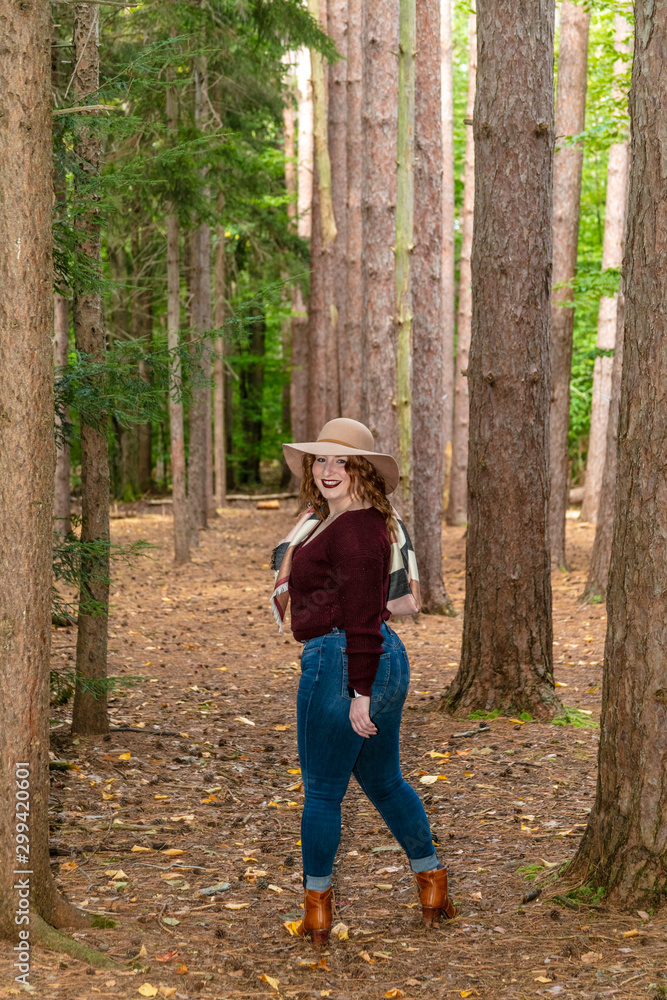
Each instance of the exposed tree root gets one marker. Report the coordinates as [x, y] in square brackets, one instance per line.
[46, 935]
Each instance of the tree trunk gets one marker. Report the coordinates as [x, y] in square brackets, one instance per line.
[299, 332]
[428, 292]
[612, 252]
[506, 657]
[319, 321]
[146, 430]
[624, 846]
[457, 505]
[318, 10]
[61, 504]
[89, 712]
[448, 249]
[219, 443]
[176, 442]
[570, 112]
[405, 217]
[251, 391]
[351, 333]
[337, 29]
[27, 460]
[378, 206]
[598, 570]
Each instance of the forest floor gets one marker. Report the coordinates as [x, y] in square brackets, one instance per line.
[146, 824]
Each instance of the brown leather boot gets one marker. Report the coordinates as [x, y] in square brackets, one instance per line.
[317, 918]
[433, 895]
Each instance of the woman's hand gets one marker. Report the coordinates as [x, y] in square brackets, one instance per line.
[360, 718]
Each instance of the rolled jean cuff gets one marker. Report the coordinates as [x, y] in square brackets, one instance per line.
[317, 883]
[425, 864]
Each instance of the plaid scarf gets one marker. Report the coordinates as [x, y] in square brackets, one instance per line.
[404, 596]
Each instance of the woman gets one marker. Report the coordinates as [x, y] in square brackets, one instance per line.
[335, 568]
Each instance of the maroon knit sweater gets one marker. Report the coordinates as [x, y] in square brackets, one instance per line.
[340, 579]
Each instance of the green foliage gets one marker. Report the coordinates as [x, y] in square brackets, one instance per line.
[531, 872]
[481, 714]
[587, 895]
[574, 717]
[103, 923]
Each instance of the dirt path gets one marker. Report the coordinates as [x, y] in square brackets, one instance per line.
[224, 797]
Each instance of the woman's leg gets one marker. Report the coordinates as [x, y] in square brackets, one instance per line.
[378, 770]
[328, 748]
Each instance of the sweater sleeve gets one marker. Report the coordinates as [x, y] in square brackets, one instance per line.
[360, 571]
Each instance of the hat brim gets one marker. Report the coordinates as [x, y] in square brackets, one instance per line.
[386, 465]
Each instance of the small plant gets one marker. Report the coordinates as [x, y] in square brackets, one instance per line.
[586, 894]
[525, 717]
[481, 714]
[102, 922]
[531, 871]
[574, 717]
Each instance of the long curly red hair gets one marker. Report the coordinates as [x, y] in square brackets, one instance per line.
[366, 485]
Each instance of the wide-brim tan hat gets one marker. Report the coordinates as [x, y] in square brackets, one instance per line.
[344, 436]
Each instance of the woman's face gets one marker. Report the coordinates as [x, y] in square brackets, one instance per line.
[331, 477]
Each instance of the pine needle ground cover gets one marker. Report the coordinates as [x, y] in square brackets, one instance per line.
[185, 842]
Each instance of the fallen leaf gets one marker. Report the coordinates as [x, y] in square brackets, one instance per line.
[518, 722]
[591, 958]
[542, 979]
[147, 990]
[171, 852]
[434, 753]
[137, 848]
[242, 718]
[181, 969]
[293, 927]
[382, 954]
[273, 983]
[275, 888]
[643, 914]
[366, 957]
[428, 779]
[171, 921]
[281, 729]
[115, 873]
[161, 796]
[167, 957]
[341, 931]
[235, 906]
[475, 895]
[254, 873]
[250, 858]
[559, 684]
[294, 770]
[383, 885]
[126, 756]
[632, 933]
[469, 993]
[108, 795]
[549, 864]
[142, 952]
[185, 818]
[167, 991]
[395, 992]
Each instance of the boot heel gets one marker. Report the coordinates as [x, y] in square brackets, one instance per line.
[320, 938]
[430, 915]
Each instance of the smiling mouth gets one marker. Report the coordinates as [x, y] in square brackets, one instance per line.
[331, 484]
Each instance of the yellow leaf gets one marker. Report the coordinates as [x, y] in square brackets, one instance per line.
[325, 993]
[428, 779]
[395, 992]
[294, 770]
[161, 796]
[366, 957]
[250, 858]
[167, 991]
[126, 756]
[142, 952]
[68, 866]
[341, 931]
[242, 718]
[559, 684]
[469, 993]
[147, 990]
[235, 906]
[293, 927]
[108, 795]
[632, 933]
[296, 787]
[383, 885]
[185, 735]
[273, 983]
[434, 753]
[475, 895]
[518, 722]
[185, 818]
[173, 851]
[137, 848]
[542, 979]
[281, 729]
[115, 873]
[221, 668]
[275, 888]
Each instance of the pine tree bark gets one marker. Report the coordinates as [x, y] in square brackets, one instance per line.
[570, 113]
[428, 294]
[337, 29]
[146, 430]
[378, 206]
[448, 250]
[176, 440]
[612, 252]
[405, 213]
[27, 459]
[89, 711]
[598, 570]
[351, 334]
[61, 504]
[506, 658]
[457, 505]
[624, 848]
[299, 332]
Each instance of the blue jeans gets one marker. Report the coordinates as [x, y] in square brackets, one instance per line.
[330, 751]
